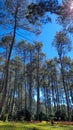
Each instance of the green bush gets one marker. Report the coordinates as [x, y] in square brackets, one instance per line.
[3, 117]
[27, 115]
[42, 116]
[10, 117]
[51, 117]
[20, 114]
[72, 115]
[60, 115]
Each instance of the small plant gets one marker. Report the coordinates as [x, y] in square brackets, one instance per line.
[4, 118]
[27, 115]
[61, 115]
[42, 116]
[52, 122]
[34, 128]
[43, 122]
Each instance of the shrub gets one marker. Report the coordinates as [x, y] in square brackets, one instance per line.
[3, 117]
[42, 116]
[60, 115]
[51, 117]
[72, 115]
[20, 114]
[10, 117]
[27, 115]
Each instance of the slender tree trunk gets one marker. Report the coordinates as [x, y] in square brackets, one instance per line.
[13, 93]
[30, 84]
[25, 96]
[21, 92]
[45, 96]
[38, 89]
[25, 82]
[66, 95]
[38, 101]
[71, 93]
[53, 97]
[57, 96]
[30, 98]
[8, 62]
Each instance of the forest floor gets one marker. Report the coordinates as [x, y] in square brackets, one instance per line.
[34, 126]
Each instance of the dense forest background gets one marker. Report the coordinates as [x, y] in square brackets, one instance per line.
[30, 86]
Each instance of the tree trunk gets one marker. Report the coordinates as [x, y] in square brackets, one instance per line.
[8, 62]
[38, 91]
[25, 95]
[66, 95]
[30, 84]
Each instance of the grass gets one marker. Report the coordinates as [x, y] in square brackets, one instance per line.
[33, 126]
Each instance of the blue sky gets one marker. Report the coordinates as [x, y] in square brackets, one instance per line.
[46, 37]
[48, 32]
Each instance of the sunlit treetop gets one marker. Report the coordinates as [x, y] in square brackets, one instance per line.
[71, 6]
[66, 12]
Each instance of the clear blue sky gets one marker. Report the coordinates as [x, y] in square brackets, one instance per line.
[47, 35]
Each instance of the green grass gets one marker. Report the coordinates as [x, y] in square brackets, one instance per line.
[33, 126]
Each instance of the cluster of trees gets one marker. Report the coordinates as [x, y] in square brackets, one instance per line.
[34, 84]
[29, 84]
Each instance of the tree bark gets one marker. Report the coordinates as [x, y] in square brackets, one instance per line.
[8, 62]
[66, 95]
[38, 91]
